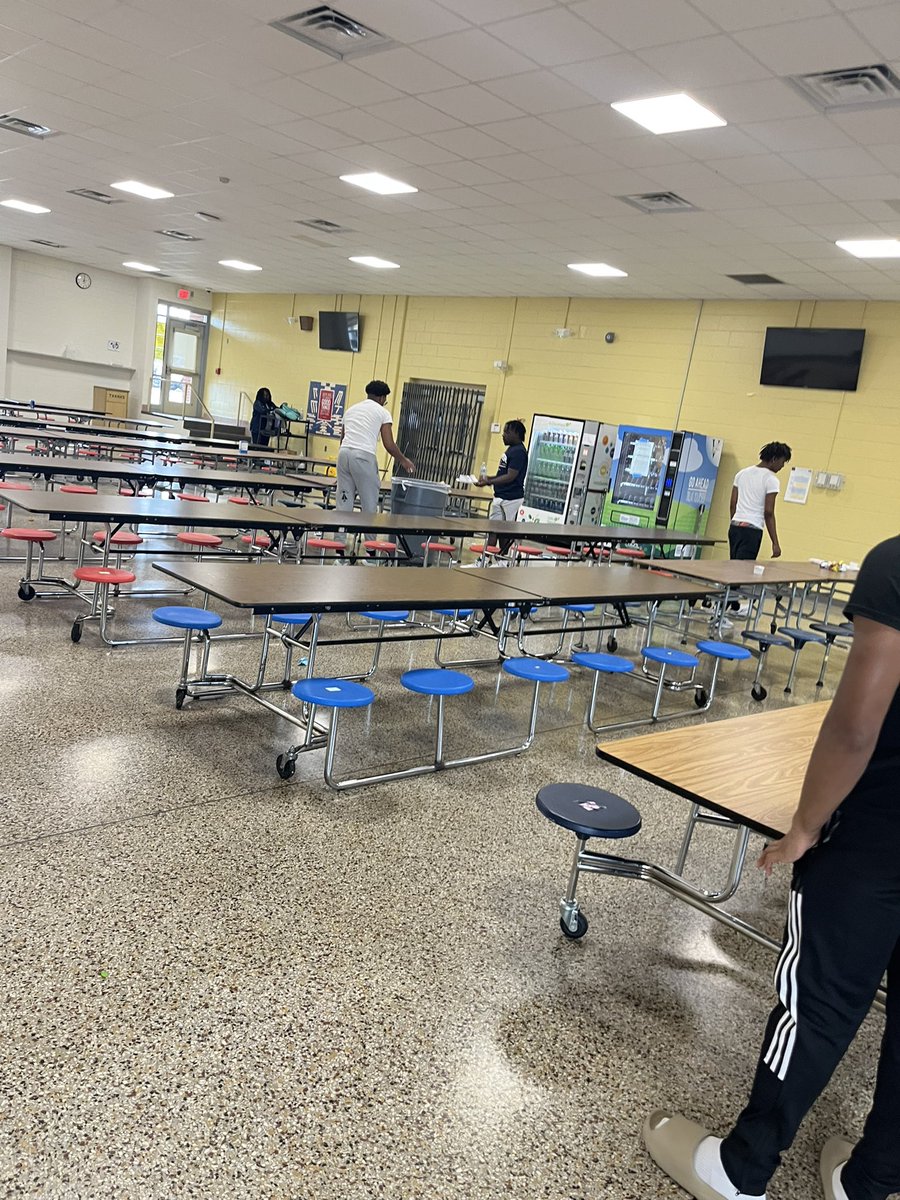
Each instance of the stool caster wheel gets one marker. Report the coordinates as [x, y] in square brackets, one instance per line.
[287, 684]
[701, 696]
[581, 927]
[180, 696]
[77, 630]
[758, 692]
[611, 644]
[773, 626]
[734, 605]
[285, 766]
[26, 591]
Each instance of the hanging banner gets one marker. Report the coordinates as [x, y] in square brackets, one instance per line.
[325, 408]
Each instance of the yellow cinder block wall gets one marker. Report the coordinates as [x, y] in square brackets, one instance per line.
[674, 364]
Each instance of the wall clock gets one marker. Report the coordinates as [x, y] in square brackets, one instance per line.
[83, 279]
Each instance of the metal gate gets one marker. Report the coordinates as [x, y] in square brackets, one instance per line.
[439, 427]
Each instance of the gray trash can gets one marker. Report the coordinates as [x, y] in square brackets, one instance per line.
[420, 497]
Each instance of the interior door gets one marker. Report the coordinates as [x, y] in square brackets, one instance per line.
[185, 355]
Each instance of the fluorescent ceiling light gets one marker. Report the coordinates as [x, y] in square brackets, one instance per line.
[237, 265]
[599, 269]
[372, 181]
[139, 266]
[142, 189]
[369, 260]
[872, 247]
[669, 114]
[24, 206]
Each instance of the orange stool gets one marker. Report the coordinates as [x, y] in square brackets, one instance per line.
[256, 541]
[79, 489]
[238, 500]
[193, 496]
[629, 552]
[528, 552]
[31, 538]
[202, 541]
[374, 547]
[103, 578]
[324, 544]
[485, 551]
[439, 548]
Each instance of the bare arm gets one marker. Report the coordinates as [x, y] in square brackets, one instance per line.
[847, 738]
[387, 440]
[508, 477]
[770, 524]
[734, 500]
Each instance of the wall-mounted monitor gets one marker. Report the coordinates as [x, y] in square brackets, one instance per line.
[339, 331]
[812, 358]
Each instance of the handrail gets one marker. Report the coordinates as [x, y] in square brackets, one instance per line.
[242, 396]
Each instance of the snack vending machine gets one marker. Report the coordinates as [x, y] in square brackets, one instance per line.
[662, 479]
[568, 470]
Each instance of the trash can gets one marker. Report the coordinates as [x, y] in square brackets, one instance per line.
[421, 497]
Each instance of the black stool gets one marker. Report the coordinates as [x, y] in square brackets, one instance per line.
[588, 812]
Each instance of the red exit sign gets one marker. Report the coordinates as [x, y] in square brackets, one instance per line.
[184, 294]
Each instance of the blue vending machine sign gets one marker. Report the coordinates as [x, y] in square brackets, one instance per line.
[325, 408]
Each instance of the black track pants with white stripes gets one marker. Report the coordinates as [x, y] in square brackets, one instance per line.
[842, 934]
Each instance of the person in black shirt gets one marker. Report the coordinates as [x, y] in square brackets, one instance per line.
[843, 934]
[260, 422]
[509, 482]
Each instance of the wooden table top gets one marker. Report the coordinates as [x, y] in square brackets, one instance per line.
[148, 510]
[378, 522]
[546, 531]
[584, 584]
[750, 768]
[100, 468]
[284, 587]
[730, 573]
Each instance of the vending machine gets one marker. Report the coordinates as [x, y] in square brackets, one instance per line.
[569, 464]
[662, 479]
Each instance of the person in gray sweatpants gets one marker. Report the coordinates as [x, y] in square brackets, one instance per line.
[357, 464]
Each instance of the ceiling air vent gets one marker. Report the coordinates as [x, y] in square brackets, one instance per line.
[90, 194]
[853, 87]
[659, 202]
[333, 33]
[323, 226]
[179, 236]
[752, 279]
[44, 242]
[29, 128]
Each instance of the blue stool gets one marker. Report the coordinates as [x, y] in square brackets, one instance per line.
[588, 812]
[579, 612]
[765, 641]
[292, 626]
[197, 621]
[719, 652]
[538, 671]
[831, 633]
[600, 664]
[456, 616]
[799, 638]
[333, 694]
[441, 683]
[383, 618]
[665, 657]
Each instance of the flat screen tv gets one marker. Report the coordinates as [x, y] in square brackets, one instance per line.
[812, 358]
[339, 331]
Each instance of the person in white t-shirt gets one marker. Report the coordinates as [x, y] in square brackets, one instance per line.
[753, 503]
[357, 465]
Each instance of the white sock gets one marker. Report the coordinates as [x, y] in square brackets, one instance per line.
[708, 1167]
[836, 1186]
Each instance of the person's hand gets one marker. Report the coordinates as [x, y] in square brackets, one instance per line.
[481, 481]
[792, 846]
[776, 550]
[409, 466]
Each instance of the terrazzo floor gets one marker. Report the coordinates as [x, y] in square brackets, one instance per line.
[220, 984]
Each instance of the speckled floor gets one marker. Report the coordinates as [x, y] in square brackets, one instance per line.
[219, 984]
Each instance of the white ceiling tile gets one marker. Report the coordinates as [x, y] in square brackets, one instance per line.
[648, 151]
[554, 37]
[707, 143]
[416, 150]
[470, 173]
[755, 168]
[538, 92]
[806, 133]
[733, 15]
[360, 125]
[618, 77]
[768, 100]
[790, 192]
[521, 166]
[847, 160]
[642, 23]
[297, 97]
[798, 47]
[469, 143]
[863, 187]
[475, 55]
[872, 128]
[410, 71]
[349, 85]
[412, 115]
[472, 105]
[575, 159]
[595, 125]
[320, 137]
[527, 134]
[879, 26]
[409, 20]
[703, 62]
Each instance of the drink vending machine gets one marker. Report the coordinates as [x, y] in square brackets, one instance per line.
[662, 479]
[568, 470]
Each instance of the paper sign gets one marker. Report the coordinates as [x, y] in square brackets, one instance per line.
[798, 485]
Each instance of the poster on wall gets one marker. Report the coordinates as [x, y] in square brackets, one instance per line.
[325, 408]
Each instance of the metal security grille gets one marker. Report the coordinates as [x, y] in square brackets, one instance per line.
[439, 427]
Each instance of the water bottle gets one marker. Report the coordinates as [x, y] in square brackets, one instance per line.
[483, 472]
[243, 447]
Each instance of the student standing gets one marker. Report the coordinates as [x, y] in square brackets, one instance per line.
[843, 934]
[357, 464]
[753, 503]
[263, 405]
[509, 482]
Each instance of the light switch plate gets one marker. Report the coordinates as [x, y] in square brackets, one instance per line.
[495, 427]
